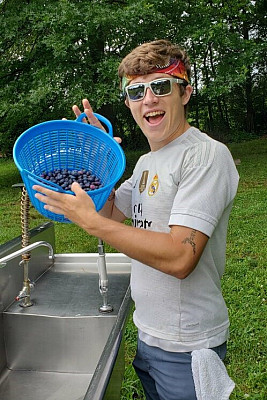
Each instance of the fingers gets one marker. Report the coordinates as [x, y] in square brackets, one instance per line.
[51, 204]
[89, 113]
[58, 199]
[54, 201]
[93, 120]
[74, 207]
[91, 117]
[46, 195]
[78, 112]
[54, 209]
[87, 105]
[76, 188]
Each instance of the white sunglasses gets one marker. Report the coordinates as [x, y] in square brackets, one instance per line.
[159, 87]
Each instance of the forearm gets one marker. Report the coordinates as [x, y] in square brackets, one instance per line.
[162, 251]
[108, 207]
[175, 253]
[110, 211]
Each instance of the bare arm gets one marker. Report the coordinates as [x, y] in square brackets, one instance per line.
[175, 253]
[110, 210]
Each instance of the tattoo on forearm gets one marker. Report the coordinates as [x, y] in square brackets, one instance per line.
[191, 241]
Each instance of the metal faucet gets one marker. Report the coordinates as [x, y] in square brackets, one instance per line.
[25, 293]
[103, 278]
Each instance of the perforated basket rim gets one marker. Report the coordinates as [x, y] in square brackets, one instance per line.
[71, 126]
[66, 124]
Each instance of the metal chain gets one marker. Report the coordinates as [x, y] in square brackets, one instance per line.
[24, 218]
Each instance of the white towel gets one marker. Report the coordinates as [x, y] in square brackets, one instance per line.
[211, 379]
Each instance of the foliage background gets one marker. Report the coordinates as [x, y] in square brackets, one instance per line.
[55, 53]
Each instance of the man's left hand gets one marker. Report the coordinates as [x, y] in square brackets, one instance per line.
[77, 208]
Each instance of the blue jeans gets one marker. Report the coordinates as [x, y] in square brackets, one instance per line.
[167, 375]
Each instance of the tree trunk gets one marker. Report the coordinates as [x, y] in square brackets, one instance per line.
[219, 104]
[250, 124]
[209, 103]
[196, 86]
[210, 121]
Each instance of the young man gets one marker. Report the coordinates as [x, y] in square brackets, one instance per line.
[179, 198]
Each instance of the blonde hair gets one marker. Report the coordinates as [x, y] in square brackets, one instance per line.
[151, 55]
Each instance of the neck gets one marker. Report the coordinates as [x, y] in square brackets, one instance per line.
[178, 132]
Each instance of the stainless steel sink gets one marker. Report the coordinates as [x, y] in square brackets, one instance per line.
[60, 347]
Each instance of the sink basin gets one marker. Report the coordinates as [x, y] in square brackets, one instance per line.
[60, 347]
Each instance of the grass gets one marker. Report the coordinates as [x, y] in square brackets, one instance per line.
[243, 284]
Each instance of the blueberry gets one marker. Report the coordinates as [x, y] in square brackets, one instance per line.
[64, 177]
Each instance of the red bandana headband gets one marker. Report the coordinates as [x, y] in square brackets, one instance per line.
[174, 68]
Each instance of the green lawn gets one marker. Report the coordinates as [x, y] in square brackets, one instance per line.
[244, 282]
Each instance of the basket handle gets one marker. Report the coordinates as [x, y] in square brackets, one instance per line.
[102, 119]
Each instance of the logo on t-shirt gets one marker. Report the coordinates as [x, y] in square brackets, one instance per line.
[143, 181]
[153, 187]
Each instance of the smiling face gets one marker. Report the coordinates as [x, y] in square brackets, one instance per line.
[161, 119]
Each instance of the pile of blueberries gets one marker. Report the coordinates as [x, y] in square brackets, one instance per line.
[65, 177]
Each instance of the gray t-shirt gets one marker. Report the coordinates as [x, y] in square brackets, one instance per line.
[192, 182]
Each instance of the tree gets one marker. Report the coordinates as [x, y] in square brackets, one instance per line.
[53, 54]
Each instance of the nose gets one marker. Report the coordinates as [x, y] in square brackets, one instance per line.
[150, 97]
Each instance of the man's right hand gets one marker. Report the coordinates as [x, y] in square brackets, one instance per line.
[91, 118]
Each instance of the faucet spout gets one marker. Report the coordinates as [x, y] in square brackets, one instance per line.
[26, 249]
[25, 293]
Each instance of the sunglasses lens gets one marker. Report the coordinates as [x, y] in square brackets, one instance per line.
[161, 87]
[136, 92]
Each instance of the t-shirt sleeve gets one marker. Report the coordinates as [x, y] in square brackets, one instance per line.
[123, 198]
[206, 188]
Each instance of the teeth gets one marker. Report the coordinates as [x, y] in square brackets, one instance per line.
[154, 113]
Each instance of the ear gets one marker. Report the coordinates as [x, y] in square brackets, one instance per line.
[187, 94]
[126, 101]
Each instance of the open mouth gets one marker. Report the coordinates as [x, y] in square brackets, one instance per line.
[154, 117]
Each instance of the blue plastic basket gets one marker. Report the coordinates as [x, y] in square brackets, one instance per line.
[72, 145]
